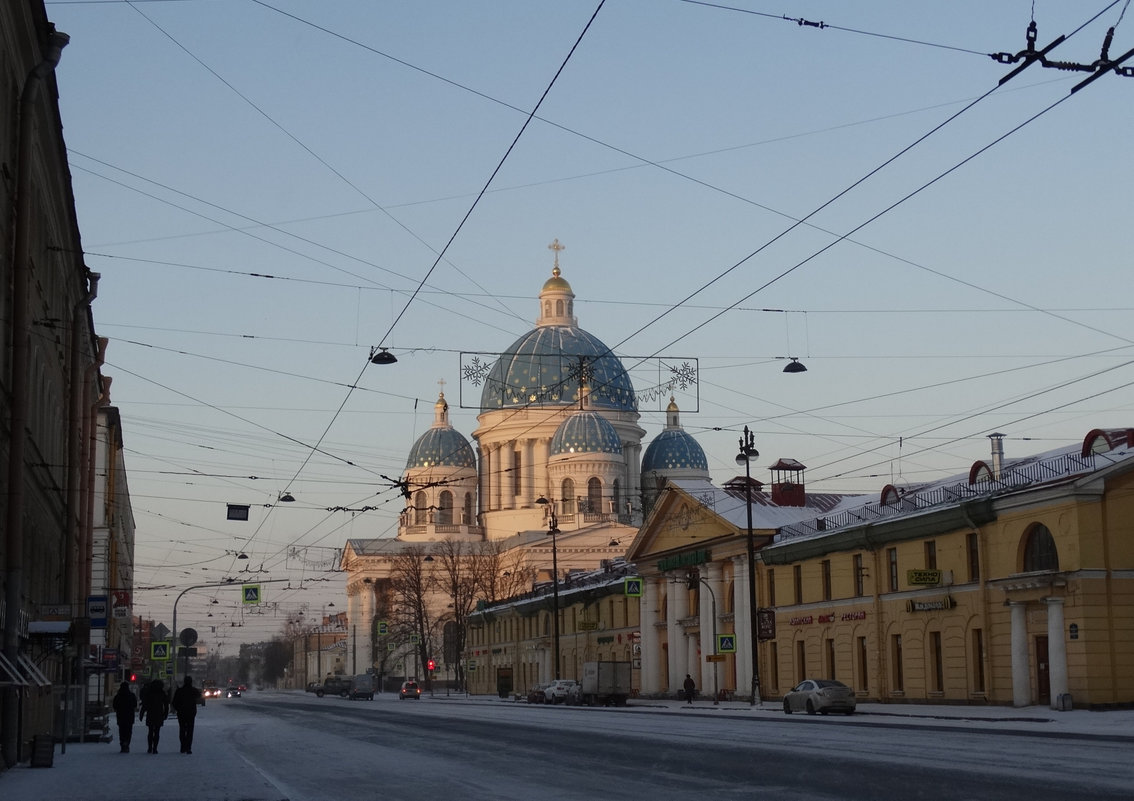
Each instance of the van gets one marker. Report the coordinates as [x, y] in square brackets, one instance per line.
[362, 686]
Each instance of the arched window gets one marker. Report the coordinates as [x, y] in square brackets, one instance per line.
[467, 519]
[567, 496]
[594, 496]
[1039, 550]
[547, 308]
[419, 509]
[616, 496]
[558, 308]
[445, 510]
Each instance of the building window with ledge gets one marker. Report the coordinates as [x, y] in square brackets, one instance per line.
[859, 571]
[797, 576]
[420, 509]
[1039, 550]
[930, 554]
[892, 561]
[826, 564]
[594, 496]
[972, 545]
[445, 508]
[771, 582]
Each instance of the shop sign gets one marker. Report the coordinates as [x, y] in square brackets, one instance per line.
[940, 605]
[690, 559]
[923, 578]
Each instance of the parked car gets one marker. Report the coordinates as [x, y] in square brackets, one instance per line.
[409, 690]
[362, 686]
[536, 694]
[334, 685]
[561, 691]
[312, 686]
[820, 695]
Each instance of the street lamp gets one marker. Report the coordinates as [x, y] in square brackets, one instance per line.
[747, 453]
[552, 530]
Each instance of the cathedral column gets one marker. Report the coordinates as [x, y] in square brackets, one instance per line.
[542, 458]
[507, 475]
[494, 477]
[649, 640]
[481, 484]
[676, 637]
[528, 464]
[708, 612]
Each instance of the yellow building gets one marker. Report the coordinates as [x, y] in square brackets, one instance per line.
[1013, 584]
[511, 644]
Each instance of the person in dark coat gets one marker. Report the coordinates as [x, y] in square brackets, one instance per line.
[185, 703]
[690, 688]
[155, 709]
[125, 705]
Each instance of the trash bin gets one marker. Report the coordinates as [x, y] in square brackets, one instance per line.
[43, 751]
[1063, 702]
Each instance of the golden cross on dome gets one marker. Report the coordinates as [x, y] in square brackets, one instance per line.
[556, 247]
[441, 383]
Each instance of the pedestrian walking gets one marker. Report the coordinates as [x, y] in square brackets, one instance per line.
[690, 689]
[185, 702]
[125, 705]
[154, 709]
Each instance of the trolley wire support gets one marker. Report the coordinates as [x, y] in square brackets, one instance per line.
[1099, 67]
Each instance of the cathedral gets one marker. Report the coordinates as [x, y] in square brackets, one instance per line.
[558, 447]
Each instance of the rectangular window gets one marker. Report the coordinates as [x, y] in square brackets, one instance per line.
[800, 662]
[797, 575]
[826, 579]
[831, 659]
[774, 667]
[938, 661]
[771, 580]
[973, 545]
[978, 660]
[899, 681]
[859, 570]
[892, 559]
[863, 666]
[931, 555]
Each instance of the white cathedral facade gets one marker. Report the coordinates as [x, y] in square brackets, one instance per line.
[558, 439]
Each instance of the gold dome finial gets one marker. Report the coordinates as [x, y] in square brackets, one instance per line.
[556, 247]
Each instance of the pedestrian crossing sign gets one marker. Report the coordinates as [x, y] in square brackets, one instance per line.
[726, 643]
[632, 587]
[159, 651]
[251, 593]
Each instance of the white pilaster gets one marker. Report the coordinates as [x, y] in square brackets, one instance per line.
[675, 637]
[1056, 649]
[650, 641]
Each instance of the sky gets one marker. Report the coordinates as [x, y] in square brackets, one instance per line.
[270, 189]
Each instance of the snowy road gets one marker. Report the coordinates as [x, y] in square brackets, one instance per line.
[331, 748]
[291, 746]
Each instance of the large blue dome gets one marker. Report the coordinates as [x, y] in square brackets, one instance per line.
[674, 449]
[542, 369]
[441, 447]
[585, 432]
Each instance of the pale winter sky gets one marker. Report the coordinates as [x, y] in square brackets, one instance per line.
[272, 188]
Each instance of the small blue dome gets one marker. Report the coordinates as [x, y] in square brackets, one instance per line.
[674, 449]
[585, 432]
[441, 447]
[542, 369]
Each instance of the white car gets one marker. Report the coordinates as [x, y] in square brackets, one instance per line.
[561, 691]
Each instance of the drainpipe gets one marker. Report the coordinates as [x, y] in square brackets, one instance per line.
[17, 432]
[80, 377]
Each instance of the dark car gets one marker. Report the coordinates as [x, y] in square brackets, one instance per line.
[232, 692]
[820, 695]
[537, 694]
[409, 690]
[334, 685]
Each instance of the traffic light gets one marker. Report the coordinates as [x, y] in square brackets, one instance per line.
[431, 664]
[133, 677]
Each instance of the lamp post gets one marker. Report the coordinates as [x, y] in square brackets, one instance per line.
[552, 530]
[747, 453]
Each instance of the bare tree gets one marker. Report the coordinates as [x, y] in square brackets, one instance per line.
[502, 573]
[412, 583]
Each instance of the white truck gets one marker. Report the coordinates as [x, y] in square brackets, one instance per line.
[605, 683]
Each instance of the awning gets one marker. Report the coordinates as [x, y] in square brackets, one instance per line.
[56, 627]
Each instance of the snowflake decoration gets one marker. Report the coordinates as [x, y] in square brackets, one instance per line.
[684, 376]
[476, 371]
